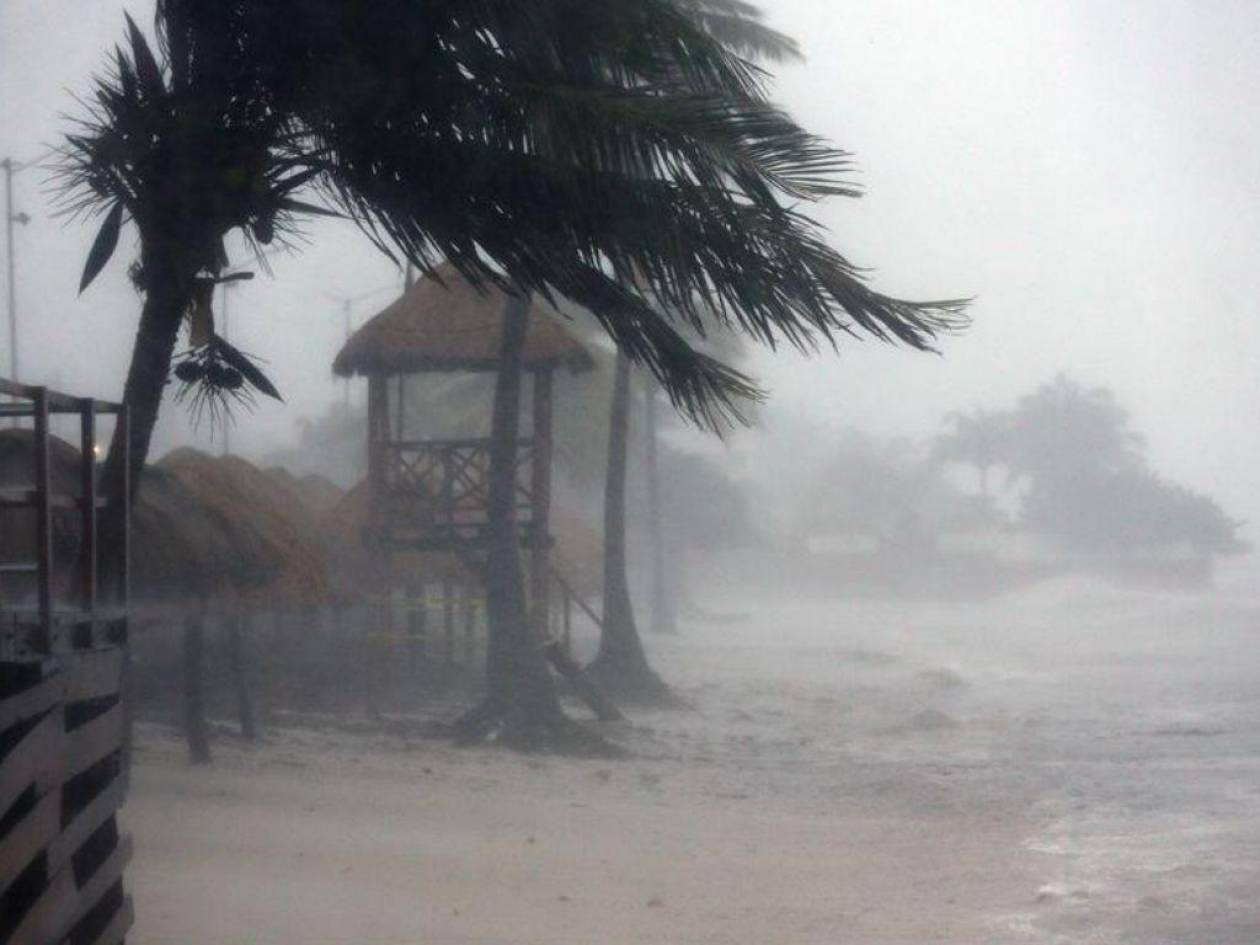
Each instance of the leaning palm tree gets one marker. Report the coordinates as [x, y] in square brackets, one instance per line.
[550, 147]
[621, 665]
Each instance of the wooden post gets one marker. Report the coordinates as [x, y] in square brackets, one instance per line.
[195, 729]
[470, 629]
[378, 442]
[239, 625]
[337, 632]
[43, 513]
[124, 551]
[122, 592]
[540, 534]
[87, 471]
[448, 617]
[400, 395]
[367, 658]
[416, 620]
[568, 622]
[377, 538]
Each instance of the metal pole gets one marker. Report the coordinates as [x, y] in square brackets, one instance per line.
[345, 307]
[9, 220]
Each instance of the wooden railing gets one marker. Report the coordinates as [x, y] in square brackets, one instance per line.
[436, 492]
[38, 404]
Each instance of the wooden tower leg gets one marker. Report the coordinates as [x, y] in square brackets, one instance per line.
[470, 629]
[239, 625]
[568, 623]
[448, 618]
[416, 618]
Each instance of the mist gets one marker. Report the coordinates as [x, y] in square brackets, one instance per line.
[951, 644]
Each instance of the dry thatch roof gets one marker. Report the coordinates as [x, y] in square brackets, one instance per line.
[318, 494]
[262, 520]
[445, 323]
[178, 550]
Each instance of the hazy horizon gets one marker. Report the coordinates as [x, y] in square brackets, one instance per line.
[1082, 170]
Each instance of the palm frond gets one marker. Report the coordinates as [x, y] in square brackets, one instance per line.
[739, 26]
[622, 154]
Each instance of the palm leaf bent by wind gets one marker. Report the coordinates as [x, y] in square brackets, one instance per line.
[560, 145]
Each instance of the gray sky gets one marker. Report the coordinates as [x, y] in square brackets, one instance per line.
[1086, 169]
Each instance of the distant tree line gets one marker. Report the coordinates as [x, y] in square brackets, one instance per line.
[1083, 474]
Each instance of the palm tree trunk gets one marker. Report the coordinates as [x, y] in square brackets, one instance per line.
[521, 707]
[662, 617]
[621, 665]
[166, 299]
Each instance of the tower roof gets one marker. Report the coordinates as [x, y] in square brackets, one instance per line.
[445, 323]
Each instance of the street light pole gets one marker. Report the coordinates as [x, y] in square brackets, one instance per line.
[11, 167]
[7, 163]
[347, 303]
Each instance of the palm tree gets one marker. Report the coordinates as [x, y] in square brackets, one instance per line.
[663, 615]
[980, 438]
[621, 665]
[549, 147]
[1064, 431]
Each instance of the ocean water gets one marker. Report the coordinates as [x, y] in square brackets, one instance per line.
[1122, 724]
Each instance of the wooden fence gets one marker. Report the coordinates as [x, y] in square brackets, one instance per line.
[63, 725]
[62, 780]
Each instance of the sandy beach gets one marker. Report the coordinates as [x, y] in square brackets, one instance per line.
[868, 773]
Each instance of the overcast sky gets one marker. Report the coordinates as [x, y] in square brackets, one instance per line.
[1087, 170]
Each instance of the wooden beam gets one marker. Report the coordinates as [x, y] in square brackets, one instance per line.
[239, 628]
[378, 424]
[448, 617]
[582, 684]
[123, 430]
[43, 511]
[195, 729]
[87, 467]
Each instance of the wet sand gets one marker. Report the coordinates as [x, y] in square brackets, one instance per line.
[1075, 764]
[390, 845]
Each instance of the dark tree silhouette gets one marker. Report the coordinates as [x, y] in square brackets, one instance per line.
[551, 146]
[621, 665]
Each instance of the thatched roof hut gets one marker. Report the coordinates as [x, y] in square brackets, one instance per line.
[263, 521]
[178, 551]
[318, 494]
[445, 323]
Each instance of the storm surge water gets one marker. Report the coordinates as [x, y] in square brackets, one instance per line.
[1120, 725]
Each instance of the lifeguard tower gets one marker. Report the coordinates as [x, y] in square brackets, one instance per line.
[430, 495]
